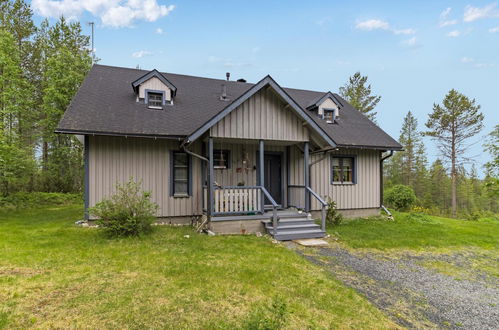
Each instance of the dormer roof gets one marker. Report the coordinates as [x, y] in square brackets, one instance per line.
[323, 98]
[151, 74]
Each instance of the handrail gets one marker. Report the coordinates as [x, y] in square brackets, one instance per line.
[274, 208]
[323, 209]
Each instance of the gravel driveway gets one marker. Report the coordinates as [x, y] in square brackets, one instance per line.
[414, 296]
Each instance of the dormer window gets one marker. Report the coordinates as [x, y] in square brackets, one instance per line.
[329, 115]
[155, 100]
[154, 90]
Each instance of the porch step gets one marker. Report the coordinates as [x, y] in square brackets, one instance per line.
[297, 228]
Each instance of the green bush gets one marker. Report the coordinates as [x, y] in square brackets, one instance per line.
[473, 216]
[266, 317]
[129, 212]
[400, 197]
[35, 199]
[333, 217]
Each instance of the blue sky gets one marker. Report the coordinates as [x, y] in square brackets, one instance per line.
[413, 52]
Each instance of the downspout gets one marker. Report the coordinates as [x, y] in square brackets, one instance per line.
[183, 146]
[381, 183]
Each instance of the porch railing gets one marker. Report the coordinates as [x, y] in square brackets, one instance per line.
[323, 208]
[233, 200]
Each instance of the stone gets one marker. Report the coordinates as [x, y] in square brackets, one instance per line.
[258, 234]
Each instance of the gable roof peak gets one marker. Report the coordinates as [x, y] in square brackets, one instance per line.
[327, 95]
[153, 73]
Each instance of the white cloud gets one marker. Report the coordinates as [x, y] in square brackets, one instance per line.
[474, 13]
[256, 50]
[494, 30]
[405, 31]
[410, 43]
[376, 24]
[159, 31]
[114, 13]
[483, 65]
[228, 62]
[444, 18]
[372, 24]
[453, 34]
[141, 53]
[467, 59]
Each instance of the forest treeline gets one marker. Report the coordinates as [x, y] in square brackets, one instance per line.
[42, 67]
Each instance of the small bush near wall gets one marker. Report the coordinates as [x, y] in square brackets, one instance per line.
[24, 200]
[129, 212]
[333, 217]
[400, 197]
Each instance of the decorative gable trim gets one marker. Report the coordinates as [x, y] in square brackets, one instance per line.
[324, 98]
[267, 81]
[151, 74]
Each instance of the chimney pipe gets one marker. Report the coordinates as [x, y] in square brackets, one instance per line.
[227, 75]
[223, 97]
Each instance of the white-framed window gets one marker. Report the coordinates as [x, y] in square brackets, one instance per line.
[342, 169]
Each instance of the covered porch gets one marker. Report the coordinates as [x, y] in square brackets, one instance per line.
[259, 180]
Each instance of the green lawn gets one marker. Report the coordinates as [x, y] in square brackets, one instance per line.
[418, 232]
[477, 242]
[56, 275]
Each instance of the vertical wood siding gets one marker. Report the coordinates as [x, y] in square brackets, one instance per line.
[364, 194]
[155, 84]
[116, 159]
[263, 116]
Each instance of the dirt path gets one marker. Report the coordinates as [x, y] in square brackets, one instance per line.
[414, 296]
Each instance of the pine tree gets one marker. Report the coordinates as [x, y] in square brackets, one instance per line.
[359, 95]
[451, 125]
[67, 62]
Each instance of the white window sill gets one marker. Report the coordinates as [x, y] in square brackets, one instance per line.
[181, 196]
[343, 183]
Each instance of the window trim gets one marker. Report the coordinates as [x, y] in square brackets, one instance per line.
[172, 175]
[229, 159]
[146, 98]
[354, 170]
[333, 110]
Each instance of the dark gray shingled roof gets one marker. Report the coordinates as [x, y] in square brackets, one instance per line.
[106, 104]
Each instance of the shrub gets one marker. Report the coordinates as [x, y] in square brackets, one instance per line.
[400, 197]
[129, 212]
[267, 317]
[333, 217]
[419, 217]
[473, 216]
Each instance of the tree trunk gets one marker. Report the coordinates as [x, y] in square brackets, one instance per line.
[453, 172]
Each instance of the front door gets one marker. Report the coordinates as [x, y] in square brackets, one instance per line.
[273, 177]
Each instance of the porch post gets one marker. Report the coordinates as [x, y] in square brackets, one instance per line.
[261, 150]
[86, 179]
[211, 179]
[306, 174]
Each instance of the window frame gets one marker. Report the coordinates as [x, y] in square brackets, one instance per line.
[172, 174]
[333, 117]
[146, 99]
[354, 169]
[228, 160]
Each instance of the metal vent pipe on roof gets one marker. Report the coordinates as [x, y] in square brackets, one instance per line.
[227, 75]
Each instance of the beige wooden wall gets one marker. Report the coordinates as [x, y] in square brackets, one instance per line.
[263, 116]
[116, 159]
[364, 194]
[154, 84]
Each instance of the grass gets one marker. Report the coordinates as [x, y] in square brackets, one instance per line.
[418, 232]
[475, 242]
[56, 275]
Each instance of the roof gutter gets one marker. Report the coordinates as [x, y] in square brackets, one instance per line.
[150, 136]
